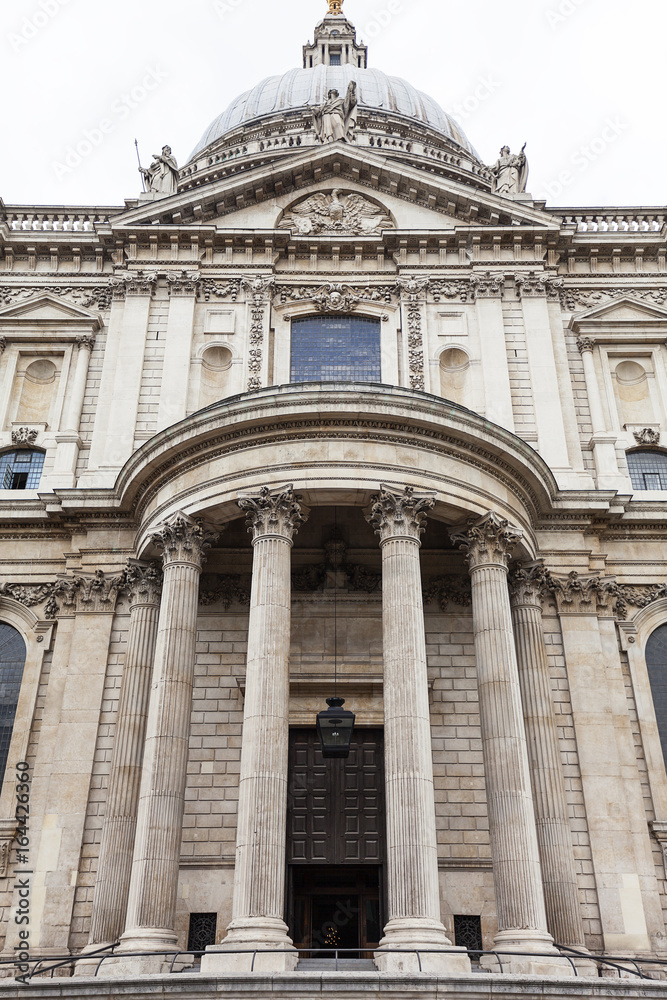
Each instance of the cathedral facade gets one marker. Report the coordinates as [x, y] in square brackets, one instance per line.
[333, 410]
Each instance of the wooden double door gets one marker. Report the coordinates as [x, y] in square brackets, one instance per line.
[336, 845]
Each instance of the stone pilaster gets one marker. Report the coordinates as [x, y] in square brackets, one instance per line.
[603, 441]
[144, 586]
[259, 883]
[522, 922]
[153, 884]
[559, 876]
[412, 854]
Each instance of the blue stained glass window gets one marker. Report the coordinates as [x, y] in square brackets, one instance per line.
[21, 470]
[656, 662]
[336, 349]
[648, 470]
[12, 661]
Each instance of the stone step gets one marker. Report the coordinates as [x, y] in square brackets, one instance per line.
[329, 965]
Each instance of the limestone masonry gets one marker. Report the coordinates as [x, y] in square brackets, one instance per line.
[334, 402]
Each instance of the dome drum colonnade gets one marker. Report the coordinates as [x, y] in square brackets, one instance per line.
[163, 632]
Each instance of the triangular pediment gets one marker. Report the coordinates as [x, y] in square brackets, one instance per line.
[46, 308]
[448, 202]
[624, 311]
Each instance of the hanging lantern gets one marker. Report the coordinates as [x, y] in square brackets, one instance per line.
[334, 729]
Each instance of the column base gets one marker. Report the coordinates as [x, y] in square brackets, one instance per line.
[149, 939]
[87, 966]
[418, 933]
[548, 961]
[264, 946]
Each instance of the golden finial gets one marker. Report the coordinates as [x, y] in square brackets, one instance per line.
[336, 6]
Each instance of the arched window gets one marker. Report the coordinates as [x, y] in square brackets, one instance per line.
[656, 661]
[336, 349]
[21, 470]
[12, 661]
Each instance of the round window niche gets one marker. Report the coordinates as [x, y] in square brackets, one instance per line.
[217, 359]
[630, 372]
[454, 359]
[41, 371]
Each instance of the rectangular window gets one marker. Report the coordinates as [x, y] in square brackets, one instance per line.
[336, 349]
[202, 931]
[334, 59]
[468, 932]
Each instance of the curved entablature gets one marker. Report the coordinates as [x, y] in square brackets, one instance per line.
[336, 440]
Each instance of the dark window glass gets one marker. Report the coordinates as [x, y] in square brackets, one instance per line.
[12, 661]
[334, 59]
[656, 661]
[335, 349]
[648, 469]
[468, 932]
[21, 470]
[202, 930]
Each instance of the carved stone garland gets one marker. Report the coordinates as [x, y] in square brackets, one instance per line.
[413, 294]
[257, 289]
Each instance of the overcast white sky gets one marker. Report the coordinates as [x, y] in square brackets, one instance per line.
[582, 81]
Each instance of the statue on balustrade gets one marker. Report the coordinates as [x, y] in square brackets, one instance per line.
[510, 172]
[162, 175]
[337, 117]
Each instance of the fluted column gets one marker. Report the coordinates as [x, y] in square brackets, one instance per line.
[144, 585]
[559, 876]
[412, 851]
[522, 922]
[153, 885]
[259, 878]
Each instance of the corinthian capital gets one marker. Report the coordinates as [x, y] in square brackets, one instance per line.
[399, 515]
[183, 539]
[528, 584]
[274, 513]
[143, 583]
[489, 540]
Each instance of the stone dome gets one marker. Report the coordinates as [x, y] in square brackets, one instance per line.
[302, 88]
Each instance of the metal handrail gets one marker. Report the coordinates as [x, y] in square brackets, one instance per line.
[622, 964]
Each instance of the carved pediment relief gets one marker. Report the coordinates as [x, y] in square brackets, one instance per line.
[47, 309]
[327, 213]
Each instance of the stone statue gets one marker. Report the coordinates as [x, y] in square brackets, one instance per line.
[337, 118]
[162, 175]
[510, 172]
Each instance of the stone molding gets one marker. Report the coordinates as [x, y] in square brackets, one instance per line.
[463, 290]
[24, 437]
[183, 539]
[659, 830]
[571, 298]
[279, 512]
[336, 296]
[537, 285]
[399, 515]
[488, 541]
[31, 595]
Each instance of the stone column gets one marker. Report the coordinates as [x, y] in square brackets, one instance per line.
[259, 882]
[153, 884]
[603, 442]
[559, 876]
[412, 851]
[144, 584]
[522, 921]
